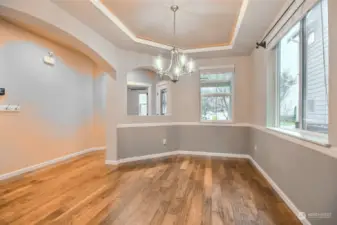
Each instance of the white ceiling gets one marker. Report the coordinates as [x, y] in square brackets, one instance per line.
[200, 23]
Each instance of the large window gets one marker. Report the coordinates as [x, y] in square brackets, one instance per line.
[302, 73]
[216, 94]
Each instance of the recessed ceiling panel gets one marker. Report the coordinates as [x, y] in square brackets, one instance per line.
[200, 23]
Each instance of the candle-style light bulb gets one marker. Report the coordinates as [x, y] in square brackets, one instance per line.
[159, 63]
[177, 71]
[183, 59]
[191, 66]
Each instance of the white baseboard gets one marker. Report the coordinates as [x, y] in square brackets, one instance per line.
[111, 162]
[212, 154]
[279, 191]
[48, 163]
[174, 153]
[140, 158]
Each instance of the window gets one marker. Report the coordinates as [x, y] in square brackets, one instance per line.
[142, 104]
[163, 100]
[216, 94]
[302, 73]
[288, 78]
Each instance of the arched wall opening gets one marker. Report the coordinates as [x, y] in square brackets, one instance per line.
[141, 92]
[147, 93]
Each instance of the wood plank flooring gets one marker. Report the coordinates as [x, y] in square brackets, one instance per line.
[180, 190]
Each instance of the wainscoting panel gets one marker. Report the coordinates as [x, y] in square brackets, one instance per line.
[140, 141]
[221, 139]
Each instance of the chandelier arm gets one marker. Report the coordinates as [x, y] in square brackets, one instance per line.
[171, 62]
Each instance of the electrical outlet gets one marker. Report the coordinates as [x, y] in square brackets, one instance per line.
[164, 142]
[255, 147]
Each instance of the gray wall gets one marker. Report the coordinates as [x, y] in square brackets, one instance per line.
[138, 141]
[306, 176]
[222, 139]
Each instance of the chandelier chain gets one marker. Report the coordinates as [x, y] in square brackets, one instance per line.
[174, 28]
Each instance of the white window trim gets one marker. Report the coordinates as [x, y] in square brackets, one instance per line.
[305, 135]
[218, 94]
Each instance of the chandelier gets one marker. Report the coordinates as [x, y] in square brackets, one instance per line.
[180, 64]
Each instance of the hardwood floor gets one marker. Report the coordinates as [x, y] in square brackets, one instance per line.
[181, 190]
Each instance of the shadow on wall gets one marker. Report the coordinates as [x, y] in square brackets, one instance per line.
[62, 108]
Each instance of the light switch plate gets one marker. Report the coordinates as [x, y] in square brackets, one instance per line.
[10, 108]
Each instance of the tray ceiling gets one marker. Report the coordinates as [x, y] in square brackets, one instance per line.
[205, 28]
[210, 23]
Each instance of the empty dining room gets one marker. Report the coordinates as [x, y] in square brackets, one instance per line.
[168, 112]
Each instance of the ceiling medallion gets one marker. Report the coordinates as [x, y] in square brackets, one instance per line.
[180, 64]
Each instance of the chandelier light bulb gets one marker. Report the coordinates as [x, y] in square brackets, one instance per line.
[183, 59]
[177, 71]
[191, 66]
[159, 63]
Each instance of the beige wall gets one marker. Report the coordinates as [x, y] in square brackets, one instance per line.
[332, 6]
[58, 115]
[186, 93]
[259, 87]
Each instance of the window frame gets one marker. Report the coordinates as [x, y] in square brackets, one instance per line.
[159, 87]
[302, 76]
[231, 95]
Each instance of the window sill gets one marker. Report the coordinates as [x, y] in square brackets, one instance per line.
[217, 121]
[315, 138]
